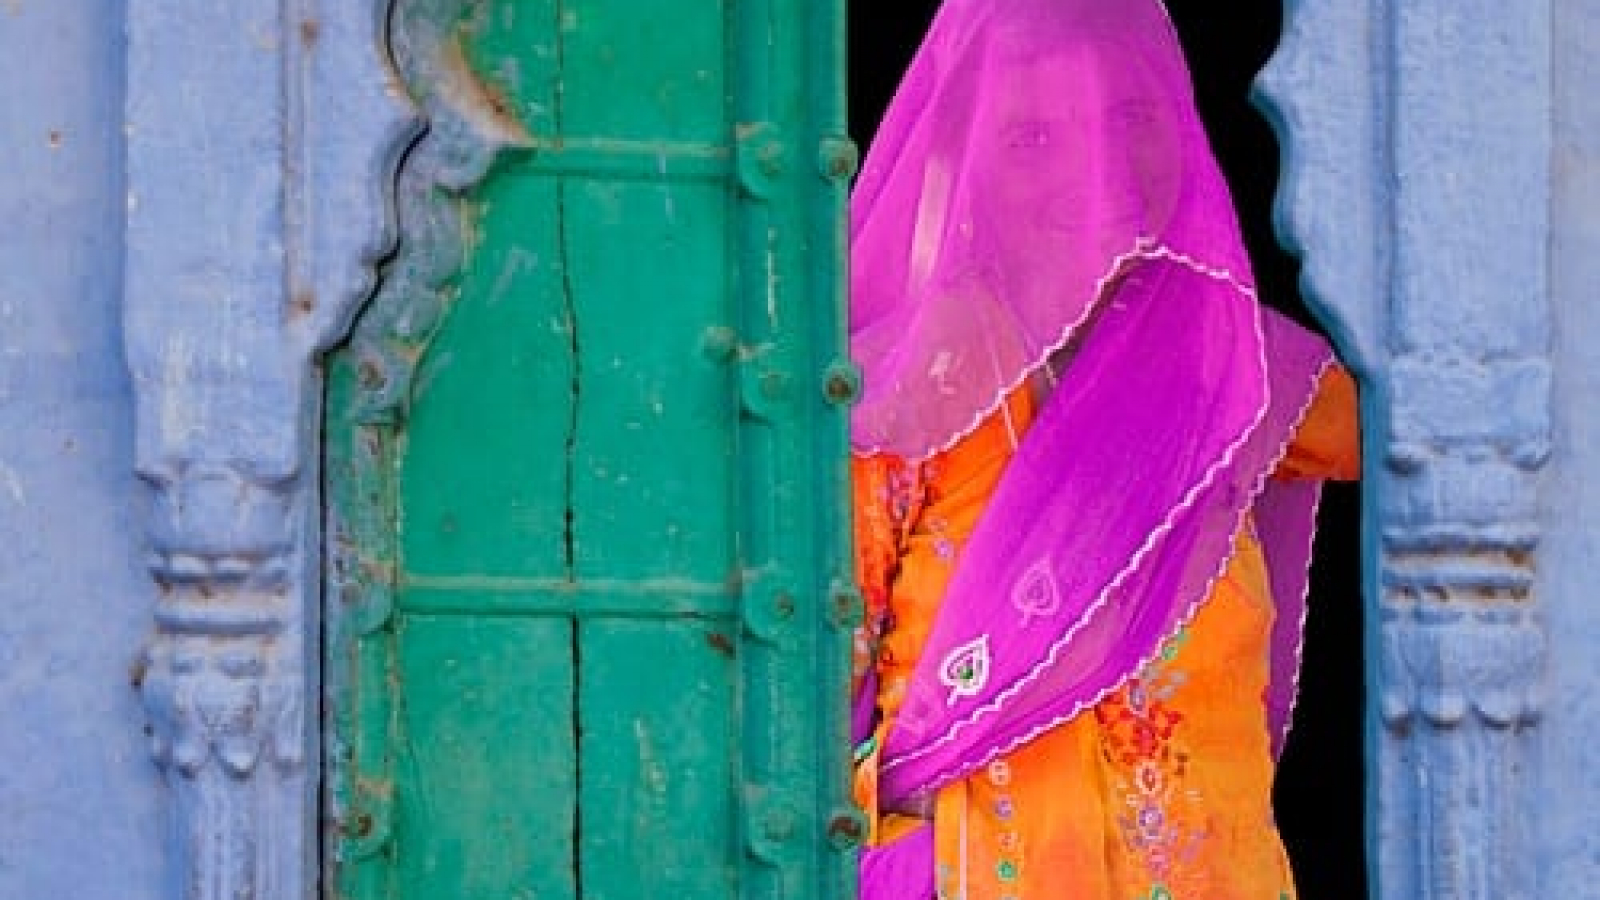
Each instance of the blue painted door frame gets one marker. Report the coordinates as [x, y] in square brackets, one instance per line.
[1418, 150]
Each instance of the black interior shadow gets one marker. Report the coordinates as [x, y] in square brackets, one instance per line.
[1320, 796]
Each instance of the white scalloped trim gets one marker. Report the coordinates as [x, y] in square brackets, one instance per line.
[1143, 249]
[1182, 621]
[1167, 524]
[1305, 581]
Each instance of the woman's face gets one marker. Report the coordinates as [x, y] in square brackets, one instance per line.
[1080, 151]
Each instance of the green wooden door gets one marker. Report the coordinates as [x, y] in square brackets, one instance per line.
[588, 606]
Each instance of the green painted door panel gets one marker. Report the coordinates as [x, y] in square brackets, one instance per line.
[485, 778]
[647, 71]
[482, 478]
[588, 623]
[656, 424]
[658, 732]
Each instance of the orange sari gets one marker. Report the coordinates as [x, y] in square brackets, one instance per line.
[1163, 790]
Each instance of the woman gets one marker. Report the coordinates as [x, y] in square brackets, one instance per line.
[1087, 468]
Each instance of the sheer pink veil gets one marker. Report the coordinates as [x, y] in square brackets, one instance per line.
[1042, 183]
[1035, 149]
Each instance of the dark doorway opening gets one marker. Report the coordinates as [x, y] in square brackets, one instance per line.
[1320, 795]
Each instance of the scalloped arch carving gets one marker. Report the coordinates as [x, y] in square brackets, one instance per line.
[1416, 190]
[466, 131]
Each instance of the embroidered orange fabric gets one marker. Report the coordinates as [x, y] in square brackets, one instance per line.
[1163, 791]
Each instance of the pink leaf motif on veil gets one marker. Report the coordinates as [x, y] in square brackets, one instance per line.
[1035, 594]
[966, 669]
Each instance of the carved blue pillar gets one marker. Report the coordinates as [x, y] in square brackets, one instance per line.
[260, 138]
[1417, 187]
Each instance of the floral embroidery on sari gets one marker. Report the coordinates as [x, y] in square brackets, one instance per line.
[1008, 843]
[889, 494]
[1162, 830]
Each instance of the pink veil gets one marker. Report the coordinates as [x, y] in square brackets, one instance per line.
[1035, 150]
[1042, 187]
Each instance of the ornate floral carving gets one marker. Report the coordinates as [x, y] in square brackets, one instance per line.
[262, 137]
[229, 730]
[1461, 646]
[222, 678]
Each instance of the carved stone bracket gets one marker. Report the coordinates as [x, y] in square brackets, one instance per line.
[466, 131]
[1417, 179]
[261, 141]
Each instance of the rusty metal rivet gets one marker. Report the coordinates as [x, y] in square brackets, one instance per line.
[847, 607]
[846, 831]
[838, 158]
[370, 375]
[842, 383]
[721, 643]
[783, 605]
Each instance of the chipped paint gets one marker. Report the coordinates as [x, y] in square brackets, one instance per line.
[12, 482]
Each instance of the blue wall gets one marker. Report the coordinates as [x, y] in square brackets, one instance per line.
[1570, 769]
[79, 813]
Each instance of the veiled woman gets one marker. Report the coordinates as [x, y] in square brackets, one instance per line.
[1087, 465]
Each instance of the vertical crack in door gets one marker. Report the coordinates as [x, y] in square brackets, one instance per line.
[569, 533]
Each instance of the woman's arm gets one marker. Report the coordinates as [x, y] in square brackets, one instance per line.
[1328, 442]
